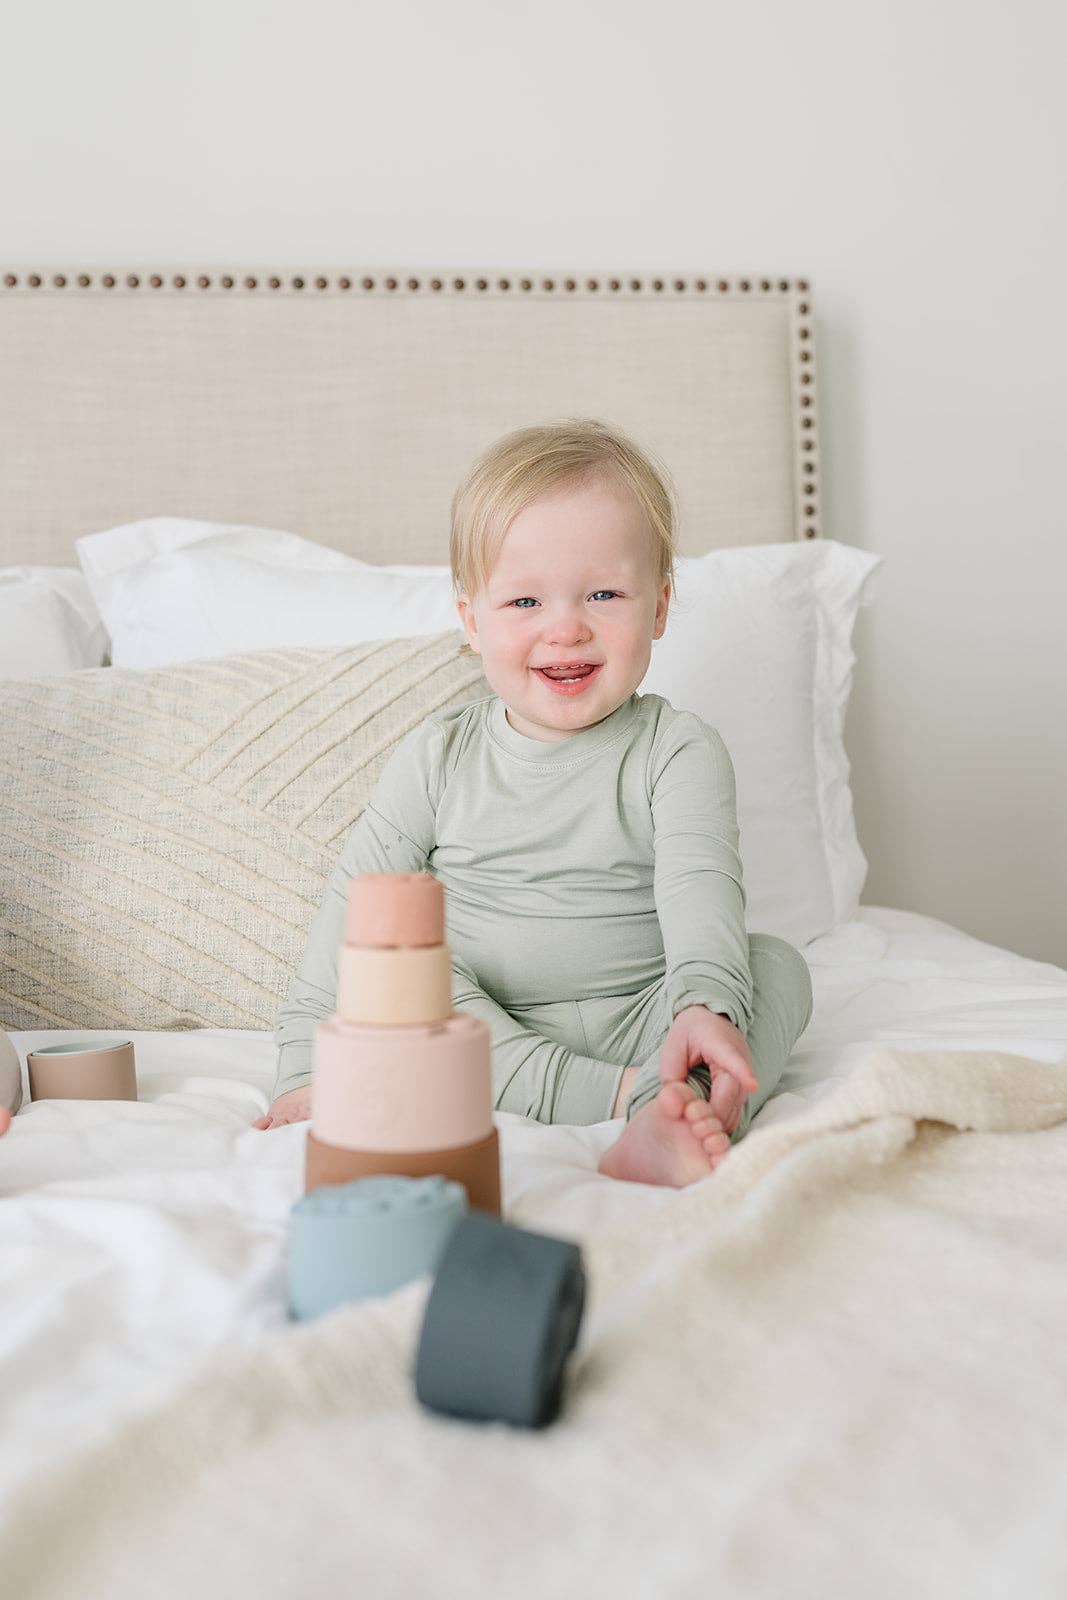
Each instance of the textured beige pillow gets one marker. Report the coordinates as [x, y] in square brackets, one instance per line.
[166, 836]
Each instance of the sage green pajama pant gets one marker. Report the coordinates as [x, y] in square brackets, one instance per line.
[630, 1029]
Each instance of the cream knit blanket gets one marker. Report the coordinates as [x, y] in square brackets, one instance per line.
[837, 1366]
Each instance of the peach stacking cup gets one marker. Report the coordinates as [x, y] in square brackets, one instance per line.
[402, 1084]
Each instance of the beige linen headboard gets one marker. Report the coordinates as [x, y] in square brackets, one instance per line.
[345, 405]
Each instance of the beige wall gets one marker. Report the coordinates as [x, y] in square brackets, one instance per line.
[906, 153]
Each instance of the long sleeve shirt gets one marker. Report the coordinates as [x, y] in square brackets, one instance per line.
[592, 865]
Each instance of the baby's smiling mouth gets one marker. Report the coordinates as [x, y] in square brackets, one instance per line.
[576, 669]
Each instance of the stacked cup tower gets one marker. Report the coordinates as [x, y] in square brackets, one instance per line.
[401, 1083]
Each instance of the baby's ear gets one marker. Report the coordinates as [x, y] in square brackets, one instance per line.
[463, 607]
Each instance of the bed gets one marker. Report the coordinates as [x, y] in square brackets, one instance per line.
[834, 1365]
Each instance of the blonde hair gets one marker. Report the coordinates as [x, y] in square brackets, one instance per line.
[530, 463]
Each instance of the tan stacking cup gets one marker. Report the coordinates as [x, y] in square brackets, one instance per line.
[87, 1069]
[476, 1166]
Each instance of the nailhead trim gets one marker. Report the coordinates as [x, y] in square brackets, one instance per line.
[329, 283]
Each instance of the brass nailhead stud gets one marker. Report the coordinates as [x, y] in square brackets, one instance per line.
[435, 283]
[298, 283]
[702, 284]
[744, 284]
[783, 284]
[635, 285]
[482, 283]
[390, 283]
[10, 279]
[723, 285]
[526, 283]
[458, 283]
[679, 284]
[809, 533]
[503, 283]
[133, 281]
[614, 285]
[413, 283]
[203, 283]
[108, 281]
[657, 284]
[547, 283]
[368, 283]
[802, 285]
[592, 285]
[344, 283]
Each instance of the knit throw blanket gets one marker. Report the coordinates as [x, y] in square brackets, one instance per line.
[834, 1367]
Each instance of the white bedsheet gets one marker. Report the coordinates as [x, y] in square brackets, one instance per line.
[139, 1239]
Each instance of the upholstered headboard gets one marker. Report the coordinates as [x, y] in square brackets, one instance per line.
[346, 405]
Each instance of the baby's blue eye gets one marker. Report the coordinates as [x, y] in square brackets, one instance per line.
[595, 592]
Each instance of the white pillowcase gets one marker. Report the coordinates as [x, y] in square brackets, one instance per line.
[171, 589]
[49, 622]
[758, 643]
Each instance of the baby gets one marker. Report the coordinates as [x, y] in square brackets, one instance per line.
[586, 836]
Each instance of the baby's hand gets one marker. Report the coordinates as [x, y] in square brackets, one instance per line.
[699, 1035]
[294, 1106]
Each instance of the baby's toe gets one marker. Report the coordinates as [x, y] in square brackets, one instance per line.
[716, 1144]
[706, 1124]
[699, 1110]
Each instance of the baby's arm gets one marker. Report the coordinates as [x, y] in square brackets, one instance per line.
[698, 879]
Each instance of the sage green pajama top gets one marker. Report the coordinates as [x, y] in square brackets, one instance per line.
[593, 888]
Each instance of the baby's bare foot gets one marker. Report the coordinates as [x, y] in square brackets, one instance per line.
[660, 1144]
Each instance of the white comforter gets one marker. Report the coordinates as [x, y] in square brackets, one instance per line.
[142, 1243]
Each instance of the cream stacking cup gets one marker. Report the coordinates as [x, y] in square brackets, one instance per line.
[400, 1082]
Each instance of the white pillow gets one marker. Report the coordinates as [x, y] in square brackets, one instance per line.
[171, 589]
[758, 643]
[49, 622]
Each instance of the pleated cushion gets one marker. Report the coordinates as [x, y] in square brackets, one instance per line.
[166, 835]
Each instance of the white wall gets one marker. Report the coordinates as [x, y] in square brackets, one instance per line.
[907, 155]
